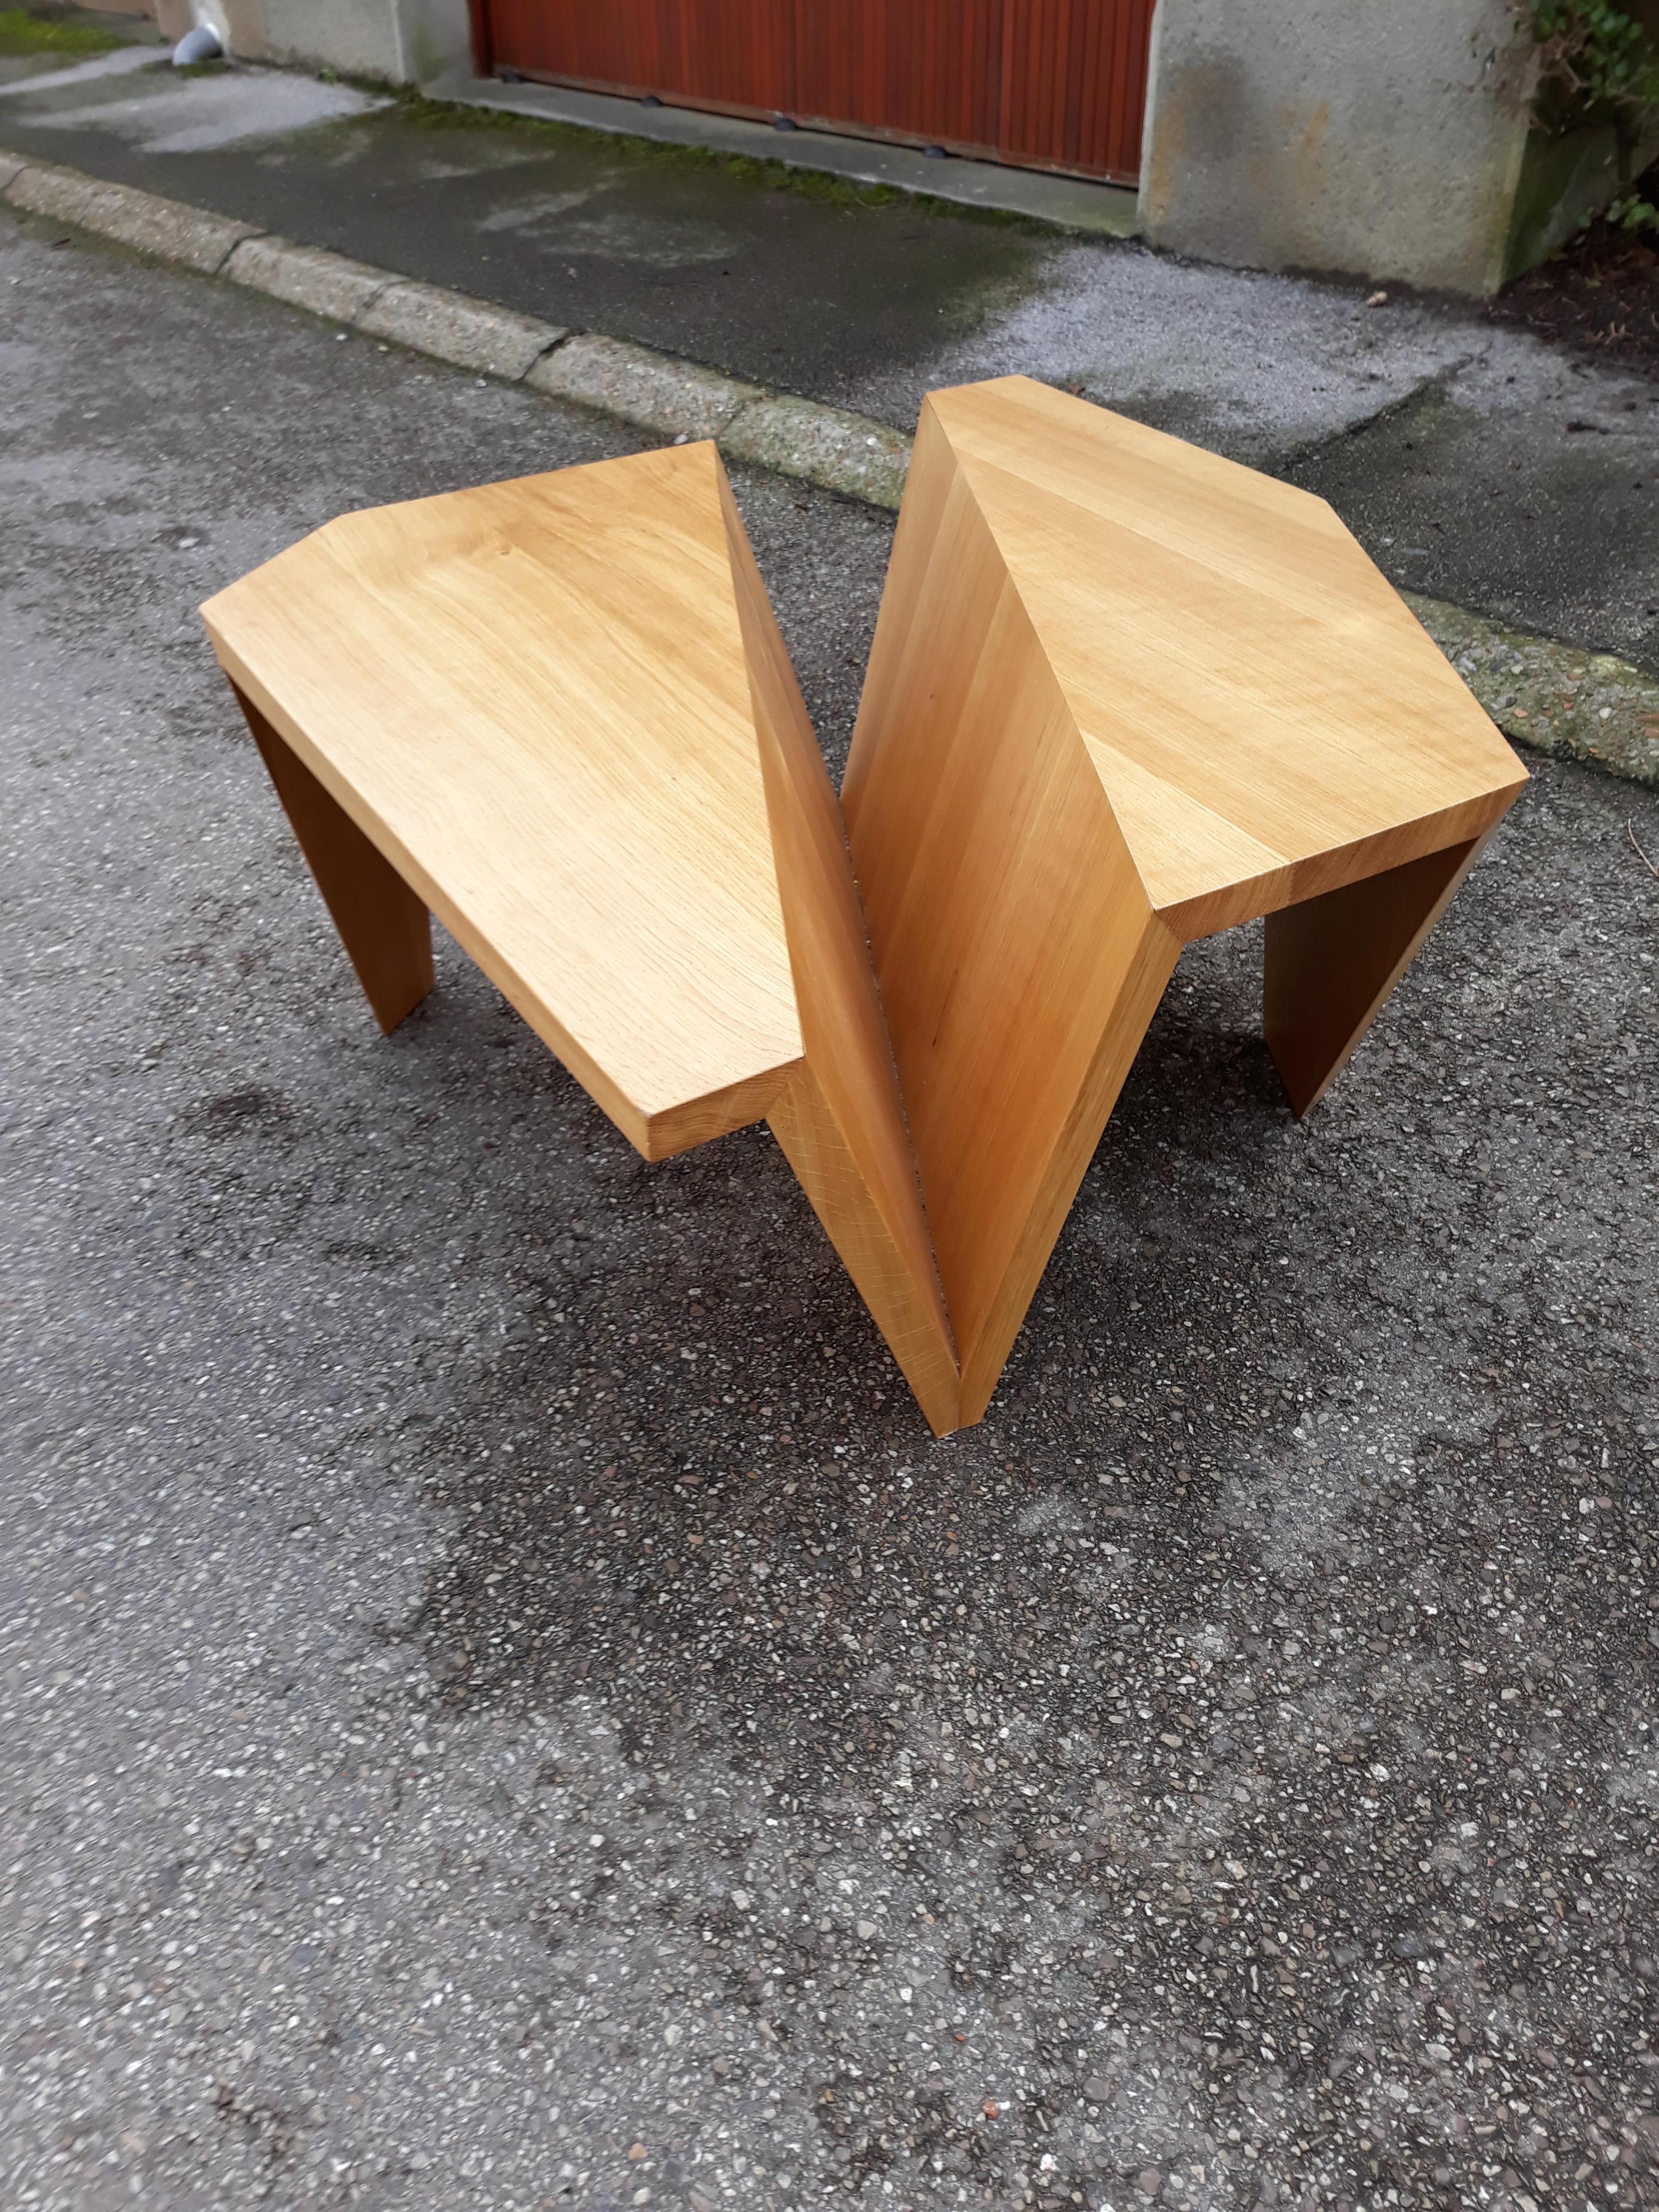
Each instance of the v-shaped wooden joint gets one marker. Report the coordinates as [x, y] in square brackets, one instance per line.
[1122, 694]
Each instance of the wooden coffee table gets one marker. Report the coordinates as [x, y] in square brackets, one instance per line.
[1122, 694]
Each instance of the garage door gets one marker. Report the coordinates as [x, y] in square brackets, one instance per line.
[1049, 84]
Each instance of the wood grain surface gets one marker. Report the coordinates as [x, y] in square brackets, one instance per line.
[841, 1123]
[1266, 717]
[533, 698]
[384, 925]
[1330, 963]
[559, 713]
[1122, 693]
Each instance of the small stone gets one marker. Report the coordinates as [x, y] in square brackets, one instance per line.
[1097, 2089]
[1149, 2181]
[864, 1929]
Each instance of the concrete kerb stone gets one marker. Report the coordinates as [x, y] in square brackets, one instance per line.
[471, 333]
[652, 391]
[168, 228]
[846, 453]
[1552, 697]
[309, 277]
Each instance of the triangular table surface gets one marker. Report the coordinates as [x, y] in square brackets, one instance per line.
[1265, 714]
[534, 697]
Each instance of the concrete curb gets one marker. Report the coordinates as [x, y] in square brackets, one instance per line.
[1554, 698]
[166, 229]
[472, 333]
[850, 453]
[309, 277]
[652, 391]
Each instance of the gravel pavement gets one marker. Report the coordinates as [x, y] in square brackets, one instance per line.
[503, 1706]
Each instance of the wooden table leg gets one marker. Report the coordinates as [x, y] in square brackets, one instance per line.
[1332, 962]
[384, 925]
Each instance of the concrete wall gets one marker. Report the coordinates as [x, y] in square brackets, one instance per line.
[1378, 137]
[405, 41]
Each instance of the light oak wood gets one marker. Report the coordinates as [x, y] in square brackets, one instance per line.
[1122, 694]
[840, 1122]
[1266, 717]
[1331, 962]
[559, 710]
[1014, 945]
[533, 699]
[386, 929]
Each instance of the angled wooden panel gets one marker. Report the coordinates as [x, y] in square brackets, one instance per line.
[1018, 956]
[840, 1122]
[384, 925]
[559, 712]
[1331, 963]
[1268, 718]
[1124, 693]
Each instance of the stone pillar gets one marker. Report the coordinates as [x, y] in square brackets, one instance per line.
[1378, 140]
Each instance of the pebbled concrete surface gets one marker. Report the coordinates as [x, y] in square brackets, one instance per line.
[651, 390]
[1578, 706]
[468, 332]
[501, 1704]
[194, 236]
[1449, 442]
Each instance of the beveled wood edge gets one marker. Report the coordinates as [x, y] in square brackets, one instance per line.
[1255, 897]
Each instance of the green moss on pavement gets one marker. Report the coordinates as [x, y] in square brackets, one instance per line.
[22, 30]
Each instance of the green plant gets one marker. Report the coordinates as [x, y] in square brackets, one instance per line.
[1631, 213]
[1596, 64]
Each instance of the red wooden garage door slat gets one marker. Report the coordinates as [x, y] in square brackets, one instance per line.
[1054, 84]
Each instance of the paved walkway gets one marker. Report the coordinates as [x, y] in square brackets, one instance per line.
[1479, 465]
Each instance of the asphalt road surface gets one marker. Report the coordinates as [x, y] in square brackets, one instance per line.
[502, 1703]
